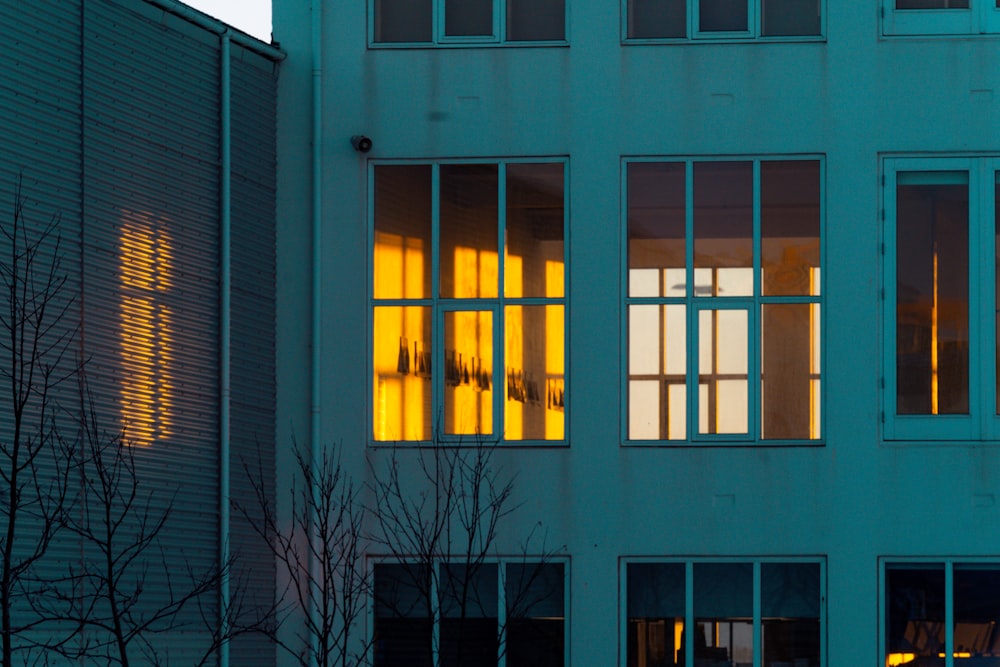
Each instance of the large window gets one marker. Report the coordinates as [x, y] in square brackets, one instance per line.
[752, 613]
[456, 22]
[723, 301]
[469, 301]
[940, 17]
[722, 19]
[940, 299]
[942, 613]
[507, 613]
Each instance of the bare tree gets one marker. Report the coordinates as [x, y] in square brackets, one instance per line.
[36, 334]
[322, 555]
[437, 517]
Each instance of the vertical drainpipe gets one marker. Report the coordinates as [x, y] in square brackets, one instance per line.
[225, 342]
[317, 218]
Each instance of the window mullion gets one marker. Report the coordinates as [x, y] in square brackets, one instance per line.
[754, 333]
[435, 614]
[689, 628]
[889, 298]
[502, 614]
[990, 306]
[754, 19]
[978, 300]
[757, 622]
[692, 339]
[499, 370]
[437, 326]
[949, 614]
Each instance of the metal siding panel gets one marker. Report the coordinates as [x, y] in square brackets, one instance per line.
[151, 252]
[253, 322]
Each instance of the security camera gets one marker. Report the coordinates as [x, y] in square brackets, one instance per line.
[361, 143]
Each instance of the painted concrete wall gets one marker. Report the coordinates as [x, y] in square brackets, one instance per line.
[850, 98]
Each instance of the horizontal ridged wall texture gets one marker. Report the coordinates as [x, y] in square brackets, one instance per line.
[253, 312]
[110, 109]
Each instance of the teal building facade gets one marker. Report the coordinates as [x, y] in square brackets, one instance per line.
[718, 278]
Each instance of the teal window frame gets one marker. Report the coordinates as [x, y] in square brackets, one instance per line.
[982, 422]
[689, 597]
[981, 17]
[752, 304]
[694, 34]
[439, 37]
[502, 563]
[439, 306]
[948, 564]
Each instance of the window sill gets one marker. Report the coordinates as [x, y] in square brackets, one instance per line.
[682, 41]
[410, 46]
[727, 444]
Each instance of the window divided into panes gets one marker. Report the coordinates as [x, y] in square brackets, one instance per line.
[723, 300]
[476, 22]
[941, 249]
[723, 19]
[940, 17]
[468, 308]
[750, 613]
[508, 612]
[943, 613]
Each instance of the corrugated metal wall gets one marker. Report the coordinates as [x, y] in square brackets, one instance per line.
[111, 110]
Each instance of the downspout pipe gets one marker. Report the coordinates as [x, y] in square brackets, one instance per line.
[225, 334]
[316, 334]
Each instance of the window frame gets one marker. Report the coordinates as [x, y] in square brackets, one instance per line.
[502, 562]
[694, 34]
[751, 304]
[980, 18]
[948, 564]
[439, 305]
[689, 563]
[982, 423]
[440, 38]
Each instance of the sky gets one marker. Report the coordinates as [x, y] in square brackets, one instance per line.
[250, 16]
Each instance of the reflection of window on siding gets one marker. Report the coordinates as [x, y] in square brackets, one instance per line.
[940, 17]
[727, 604]
[723, 302]
[722, 19]
[145, 275]
[463, 614]
[468, 339]
[945, 612]
[468, 21]
[941, 372]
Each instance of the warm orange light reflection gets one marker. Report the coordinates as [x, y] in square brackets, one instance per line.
[146, 328]
[895, 659]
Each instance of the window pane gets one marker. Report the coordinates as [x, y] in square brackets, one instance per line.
[403, 21]
[656, 228]
[723, 228]
[722, 371]
[657, 372]
[535, 630]
[790, 377]
[468, 230]
[790, 17]
[723, 612]
[401, 353]
[915, 614]
[536, 20]
[649, 19]
[468, 372]
[977, 613]
[534, 409]
[466, 18]
[932, 4]
[789, 227]
[655, 614]
[402, 615]
[469, 625]
[722, 15]
[790, 610]
[402, 232]
[534, 260]
[932, 293]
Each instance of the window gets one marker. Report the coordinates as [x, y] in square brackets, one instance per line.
[944, 613]
[940, 299]
[510, 613]
[940, 17]
[722, 19]
[455, 22]
[753, 613]
[723, 301]
[469, 301]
